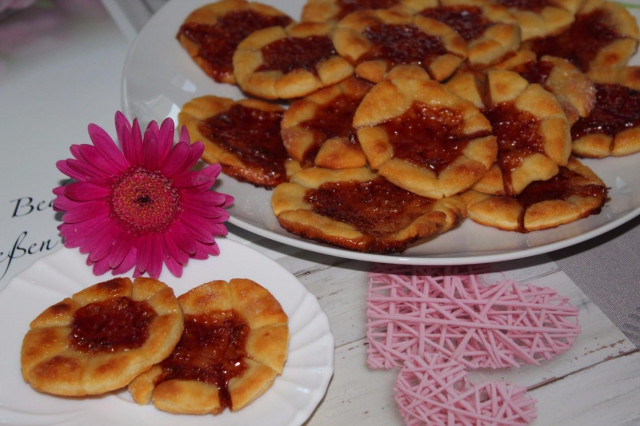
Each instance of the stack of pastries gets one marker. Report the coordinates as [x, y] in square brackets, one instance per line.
[381, 124]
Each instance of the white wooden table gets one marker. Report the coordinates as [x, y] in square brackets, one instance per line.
[48, 96]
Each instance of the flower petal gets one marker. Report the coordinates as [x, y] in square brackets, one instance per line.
[85, 191]
[107, 147]
[86, 211]
[130, 139]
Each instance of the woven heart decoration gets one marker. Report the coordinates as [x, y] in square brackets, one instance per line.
[416, 310]
[434, 390]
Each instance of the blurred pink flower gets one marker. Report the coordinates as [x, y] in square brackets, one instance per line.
[141, 205]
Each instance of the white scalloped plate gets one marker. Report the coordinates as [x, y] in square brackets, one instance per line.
[290, 401]
[159, 77]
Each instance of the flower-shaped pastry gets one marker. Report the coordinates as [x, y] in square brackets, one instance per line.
[359, 210]
[613, 125]
[242, 136]
[604, 35]
[100, 338]
[423, 138]
[211, 33]
[530, 126]
[542, 18]
[385, 43]
[234, 344]
[491, 32]
[318, 129]
[141, 205]
[289, 62]
[334, 10]
[574, 193]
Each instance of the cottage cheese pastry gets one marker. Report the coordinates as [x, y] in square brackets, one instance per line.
[604, 35]
[318, 129]
[234, 344]
[575, 192]
[335, 10]
[542, 18]
[102, 337]
[531, 128]
[289, 62]
[574, 89]
[359, 210]
[211, 33]
[613, 126]
[423, 138]
[383, 42]
[490, 30]
[243, 136]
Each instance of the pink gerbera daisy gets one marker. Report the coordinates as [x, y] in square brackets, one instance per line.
[142, 205]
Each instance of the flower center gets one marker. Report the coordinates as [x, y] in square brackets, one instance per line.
[143, 201]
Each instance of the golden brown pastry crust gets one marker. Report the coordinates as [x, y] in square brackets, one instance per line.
[210, 17]
[354, 39]
[490, 30]
[576, 191]
[552, 18]
[613, 127]
[52, 364]
[535, 118]
[305, 132]
[574, 89]
[268, 170]
[266, 351]
[467, 148]
[373, 215]
[249, 59]
[608, 29]
[334, 10]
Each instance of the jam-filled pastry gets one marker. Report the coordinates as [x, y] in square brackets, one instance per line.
[359, 210]
[317, 129]
[574, 89]
[490, 30]
[234, 345]
[379, 42]
[243, 136]
[335, 10]
[542, 18]
[574, 193]
[529, 123]
[289, 62]
[102, 337]
[613, 126]
[211, 33]
[604, 35]
[423, 138]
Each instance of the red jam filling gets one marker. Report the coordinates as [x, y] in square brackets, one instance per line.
[468, 21]
[530, 5]
[111, 325]
[212, 350]
[333, 119]
[402, 44]
[252, 134]
[290, 53]
[375, 207]
[581, 42]
[518, 136]
[617, 108]
[218, 42]
[428, 136]
[348, 6]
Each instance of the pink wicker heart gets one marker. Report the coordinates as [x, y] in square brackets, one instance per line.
[434, 390]
[416, 310]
